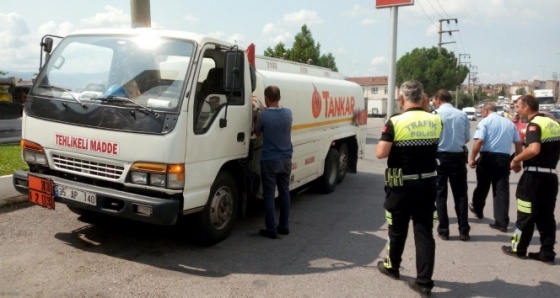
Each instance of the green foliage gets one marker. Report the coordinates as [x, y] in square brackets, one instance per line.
[465, 100]
[2, 73]
[433, 69]
[520, 91]
[10, 159]
[502, 93]
[304, 50]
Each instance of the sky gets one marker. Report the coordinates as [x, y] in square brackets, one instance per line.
[504, 41]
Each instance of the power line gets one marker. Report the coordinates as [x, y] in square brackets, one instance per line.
[442, 9]
[427, 15]
[435, 9]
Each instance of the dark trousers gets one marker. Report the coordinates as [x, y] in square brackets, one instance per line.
[415, 200]
[536, 199]
[493, 169]
[452, 167]
[276, 173]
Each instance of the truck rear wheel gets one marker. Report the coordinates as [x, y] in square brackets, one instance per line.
[217, 219]
[342, 162]
[327, 182]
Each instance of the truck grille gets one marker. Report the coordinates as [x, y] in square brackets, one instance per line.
[88, 167]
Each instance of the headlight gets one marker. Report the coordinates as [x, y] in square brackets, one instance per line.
[33, 153]
[139, 178]
[160, 175]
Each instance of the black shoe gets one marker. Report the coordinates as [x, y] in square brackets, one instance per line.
[423, 291]
[283, 231]
[496, 227]
[464, 237]
[537, 257]
[392, 273]
[509, 251]
[443, 237]
[267, 233]
[477, 214]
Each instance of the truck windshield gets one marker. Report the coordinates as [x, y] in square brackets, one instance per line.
[84, 74]
[546, 100]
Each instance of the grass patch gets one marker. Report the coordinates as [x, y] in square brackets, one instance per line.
[10, 159]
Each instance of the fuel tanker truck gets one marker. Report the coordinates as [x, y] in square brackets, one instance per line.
[118, 122]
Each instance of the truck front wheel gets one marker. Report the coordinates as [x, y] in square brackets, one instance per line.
[220, 212]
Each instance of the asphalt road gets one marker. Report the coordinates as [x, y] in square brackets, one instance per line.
[334, 245]
[10, 130]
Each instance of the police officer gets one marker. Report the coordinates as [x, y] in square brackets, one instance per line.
[410, 142]
[538, 186]
[452, 165]
[492, 139]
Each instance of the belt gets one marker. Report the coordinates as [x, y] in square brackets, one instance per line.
[541, 170]
[419, 176]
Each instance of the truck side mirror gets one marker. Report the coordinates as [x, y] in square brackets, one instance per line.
[47, 45]
[233, 71]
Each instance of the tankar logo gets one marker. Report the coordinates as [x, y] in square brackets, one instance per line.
[336, 106]
[316, 102]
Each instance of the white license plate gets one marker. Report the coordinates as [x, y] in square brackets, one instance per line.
[75, 195]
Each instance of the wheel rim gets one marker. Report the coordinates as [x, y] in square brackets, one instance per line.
[221, 209]
[333, 174]
[343, 162]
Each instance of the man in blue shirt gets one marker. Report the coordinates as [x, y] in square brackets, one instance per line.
[275, 124]
[493, 138]
[452, 165]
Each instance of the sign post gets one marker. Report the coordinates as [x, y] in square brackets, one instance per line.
[393, 4]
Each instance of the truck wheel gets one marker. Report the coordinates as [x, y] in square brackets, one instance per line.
[217, 218]
[328, 181]
[342, 162]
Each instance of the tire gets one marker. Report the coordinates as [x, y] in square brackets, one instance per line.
[342, 162]
[329, 180]
[217, 219]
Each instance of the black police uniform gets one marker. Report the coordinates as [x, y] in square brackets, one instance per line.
[537, 189]
[411, 188]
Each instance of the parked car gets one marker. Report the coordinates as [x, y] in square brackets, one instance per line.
[471, 113]
[521, 124]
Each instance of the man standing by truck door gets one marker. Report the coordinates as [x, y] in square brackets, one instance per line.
[452, 165]
[275, 124]
[410, 142]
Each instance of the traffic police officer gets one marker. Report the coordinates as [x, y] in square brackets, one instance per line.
[410, 141]
[538, 186]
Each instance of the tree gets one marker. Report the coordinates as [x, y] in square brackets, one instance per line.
[304, 50]
[2, 73]
[520, 91]
[434, 69]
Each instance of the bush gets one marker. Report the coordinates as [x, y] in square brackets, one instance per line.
[10, 159]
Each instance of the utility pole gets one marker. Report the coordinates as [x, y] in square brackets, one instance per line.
[440, 43]
[473, 79]
[140, 13]
[459, 86]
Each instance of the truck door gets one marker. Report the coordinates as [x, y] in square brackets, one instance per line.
[220, 121]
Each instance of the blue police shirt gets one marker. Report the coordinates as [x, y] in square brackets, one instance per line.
[456, 129]
[497, 132]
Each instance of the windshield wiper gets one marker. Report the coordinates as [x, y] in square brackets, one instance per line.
[121, 99]
[57, 88]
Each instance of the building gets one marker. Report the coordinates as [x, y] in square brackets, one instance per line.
[376, 92]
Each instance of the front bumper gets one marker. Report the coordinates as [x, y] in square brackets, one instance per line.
[112, 202]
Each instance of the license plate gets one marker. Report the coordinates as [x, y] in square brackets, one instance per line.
[40, 191]
[73, 194]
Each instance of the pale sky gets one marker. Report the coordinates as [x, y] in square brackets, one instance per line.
[507, 40]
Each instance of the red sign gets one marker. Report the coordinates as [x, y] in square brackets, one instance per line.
[388, 3]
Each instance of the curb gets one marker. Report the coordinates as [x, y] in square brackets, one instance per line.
[8, 194]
